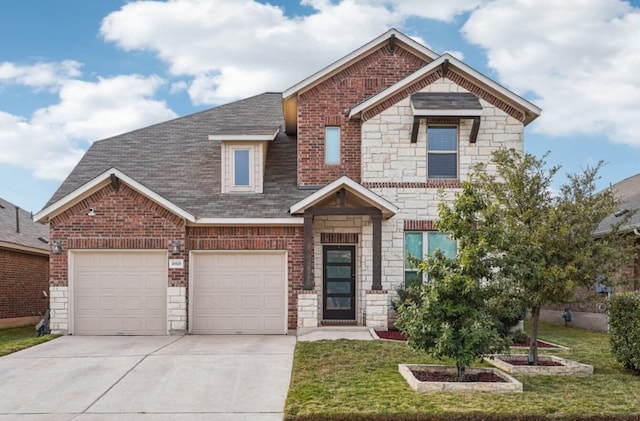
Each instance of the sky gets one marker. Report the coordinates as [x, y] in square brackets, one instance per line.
[76, 71]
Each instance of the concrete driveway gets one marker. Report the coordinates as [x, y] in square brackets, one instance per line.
[143, 378]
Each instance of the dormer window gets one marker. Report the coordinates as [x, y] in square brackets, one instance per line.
[243, 157]
[241, 168]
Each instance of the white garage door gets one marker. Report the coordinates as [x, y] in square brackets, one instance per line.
[120, 293]
[239, 292]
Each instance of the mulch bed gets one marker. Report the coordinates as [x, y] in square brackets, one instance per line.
[394, 335]
[438, 376]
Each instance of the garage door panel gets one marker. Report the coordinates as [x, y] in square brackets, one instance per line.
[120, 293]
[249, 282]
[247, 289]
[224, 281]
[273, 303]
[272, 282]
[249, 303]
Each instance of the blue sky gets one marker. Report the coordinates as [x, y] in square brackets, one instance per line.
[76, 71]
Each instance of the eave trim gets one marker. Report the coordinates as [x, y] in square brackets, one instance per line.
[387, 208]
[371, 45]
[433, 66]
[248, 221]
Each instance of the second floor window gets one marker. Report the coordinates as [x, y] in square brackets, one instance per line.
[241, 169]
[332, 145]
[442, 152]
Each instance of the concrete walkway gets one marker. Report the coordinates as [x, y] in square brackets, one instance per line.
[148, 378]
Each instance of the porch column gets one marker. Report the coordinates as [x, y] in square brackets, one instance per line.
[307, 282]
[377, 250]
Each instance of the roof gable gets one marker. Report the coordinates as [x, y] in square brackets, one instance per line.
[388, 209]
[112, 175]
[392, 38]
[392, 35]
[461, 74]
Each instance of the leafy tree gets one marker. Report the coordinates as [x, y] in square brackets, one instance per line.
[542, 244]
[450, 315]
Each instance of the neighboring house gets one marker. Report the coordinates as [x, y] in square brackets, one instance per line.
[24, 258]
[280, 211]
[589, 307]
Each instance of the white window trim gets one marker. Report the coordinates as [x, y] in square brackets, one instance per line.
[251, 170]
[456, 151]
[326, 157]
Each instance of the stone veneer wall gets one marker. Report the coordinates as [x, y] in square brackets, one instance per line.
[395, 168]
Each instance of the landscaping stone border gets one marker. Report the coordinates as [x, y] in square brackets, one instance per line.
[568, 367]
[555, 346]
[510, 386]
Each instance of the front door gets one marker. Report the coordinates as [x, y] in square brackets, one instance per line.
[339, 274]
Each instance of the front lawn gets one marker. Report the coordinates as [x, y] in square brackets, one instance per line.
[359, 380]
[18, 338]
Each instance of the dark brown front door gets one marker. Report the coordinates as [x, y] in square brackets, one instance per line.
[339, 275]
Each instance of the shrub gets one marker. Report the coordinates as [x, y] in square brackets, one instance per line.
[624, 320]
[519, 336]
[404, 294]
[508, 311]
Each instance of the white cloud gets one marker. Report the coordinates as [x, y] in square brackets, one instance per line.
[580, 62]
[39, 75]
[52, 141]
[234, 48]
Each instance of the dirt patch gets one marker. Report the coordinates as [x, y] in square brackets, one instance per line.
[437, 376]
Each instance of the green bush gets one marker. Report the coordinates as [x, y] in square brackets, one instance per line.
[519, 336]
[624, 320]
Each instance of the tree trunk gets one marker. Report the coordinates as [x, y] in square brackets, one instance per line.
[460, 375]
[533, 348]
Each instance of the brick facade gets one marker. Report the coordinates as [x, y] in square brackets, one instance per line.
[124, 219]
[325, 104]
[22, 279]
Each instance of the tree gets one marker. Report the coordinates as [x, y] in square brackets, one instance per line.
[450, 315]
[541, 244]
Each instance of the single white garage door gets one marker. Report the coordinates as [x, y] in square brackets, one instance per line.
[120, 293]
[239, 293]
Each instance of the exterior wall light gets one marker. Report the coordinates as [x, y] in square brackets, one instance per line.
[175, 247]
[57, 247]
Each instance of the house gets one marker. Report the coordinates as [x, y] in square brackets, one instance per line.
[589, 307]
[24, 257]
[280, 211]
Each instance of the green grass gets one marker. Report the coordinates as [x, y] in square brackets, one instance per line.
[18, 338]
[358, 380]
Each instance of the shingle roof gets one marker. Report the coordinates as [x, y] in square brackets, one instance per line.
[29, 231]
[445, 101]
[628, 193]
[177, 160]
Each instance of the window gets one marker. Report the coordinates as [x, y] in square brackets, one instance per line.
[241, 169]
[414, 244]
[442, 151]
[332, 145]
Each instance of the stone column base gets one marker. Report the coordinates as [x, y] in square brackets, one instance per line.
[176, 310]
[307, 309]
[377, 309]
